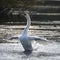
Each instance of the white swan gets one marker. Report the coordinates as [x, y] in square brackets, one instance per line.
[25, 38]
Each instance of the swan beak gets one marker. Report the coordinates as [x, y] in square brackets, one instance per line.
[23, 14]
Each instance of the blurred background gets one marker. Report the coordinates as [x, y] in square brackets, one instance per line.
[45, 17]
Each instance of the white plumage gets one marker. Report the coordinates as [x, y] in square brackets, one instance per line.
[25, 38]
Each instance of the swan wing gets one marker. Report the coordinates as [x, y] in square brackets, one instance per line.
[13, 37]
[37, 38]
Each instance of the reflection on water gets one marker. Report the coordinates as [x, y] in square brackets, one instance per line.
[14, 51]
[41, 50]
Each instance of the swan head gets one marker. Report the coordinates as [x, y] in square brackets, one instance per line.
[25, 13]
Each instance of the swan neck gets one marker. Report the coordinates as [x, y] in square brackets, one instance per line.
[28, 21]
[27, 26]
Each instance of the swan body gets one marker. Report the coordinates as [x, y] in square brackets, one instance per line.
[25, 39]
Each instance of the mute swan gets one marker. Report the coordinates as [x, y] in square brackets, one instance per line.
[25, 39]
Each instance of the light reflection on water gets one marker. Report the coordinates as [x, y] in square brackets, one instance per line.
[41, 50]
[14, 51]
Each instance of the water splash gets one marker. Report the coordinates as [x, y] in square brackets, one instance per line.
[44, 51]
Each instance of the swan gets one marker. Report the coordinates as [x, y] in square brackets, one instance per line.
[25, 39]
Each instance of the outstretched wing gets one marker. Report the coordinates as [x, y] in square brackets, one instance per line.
[37, 38]
[13, 37]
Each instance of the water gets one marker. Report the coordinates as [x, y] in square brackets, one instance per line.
[14, 51]
[41, 50]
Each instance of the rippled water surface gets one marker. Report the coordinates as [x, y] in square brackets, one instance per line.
[41, 50]
[14, 51]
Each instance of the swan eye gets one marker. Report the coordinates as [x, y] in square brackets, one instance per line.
[24, 14]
